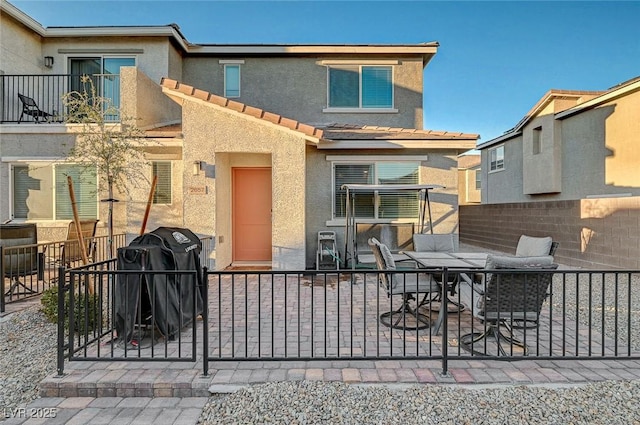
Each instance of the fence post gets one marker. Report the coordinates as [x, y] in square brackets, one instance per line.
[444, 306]
[2, 288]
[205, 321]
[61, 316]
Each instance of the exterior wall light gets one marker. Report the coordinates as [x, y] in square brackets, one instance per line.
[48, 61]
[197, 166]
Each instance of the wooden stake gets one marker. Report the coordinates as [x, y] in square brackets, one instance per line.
[76, 221]
[149, 202]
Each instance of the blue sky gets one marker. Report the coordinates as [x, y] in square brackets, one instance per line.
[495, 61]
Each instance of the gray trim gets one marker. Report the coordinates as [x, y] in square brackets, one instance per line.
[101, 51]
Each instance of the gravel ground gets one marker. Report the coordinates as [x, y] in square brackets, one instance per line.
[27, 355]
[308, 402]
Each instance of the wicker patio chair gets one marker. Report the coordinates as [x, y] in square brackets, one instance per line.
[509, 297]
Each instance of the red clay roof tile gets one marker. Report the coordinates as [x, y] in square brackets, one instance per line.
[333, 131]
[242, 108]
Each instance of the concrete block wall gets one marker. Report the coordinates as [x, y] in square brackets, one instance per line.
[593, 233]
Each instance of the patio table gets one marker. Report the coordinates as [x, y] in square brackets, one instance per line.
[451, 260]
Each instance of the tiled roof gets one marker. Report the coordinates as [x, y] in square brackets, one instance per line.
[372, 132]
[335, 132]
[242, 108]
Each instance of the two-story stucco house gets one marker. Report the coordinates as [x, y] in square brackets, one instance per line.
[571, 145]
[251, 143]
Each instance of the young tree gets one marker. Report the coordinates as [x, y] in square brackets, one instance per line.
[106, 141]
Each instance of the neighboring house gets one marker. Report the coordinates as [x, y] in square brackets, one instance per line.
[251, 143]
[469, 178]
[571, 145]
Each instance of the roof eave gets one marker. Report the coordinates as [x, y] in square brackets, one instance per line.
[361, 144]
[606, 97]
[499, 139]
[22, 17]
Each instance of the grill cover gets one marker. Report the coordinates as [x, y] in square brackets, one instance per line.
[167, 298]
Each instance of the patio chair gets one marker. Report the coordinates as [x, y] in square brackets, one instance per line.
[19, 263]
[71, 250]
[396, 236]
[509, 297]
[529, 246]
[30, 107]
[425, 242]
[406, 284]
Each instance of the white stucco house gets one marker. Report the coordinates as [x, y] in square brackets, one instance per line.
[251, 143]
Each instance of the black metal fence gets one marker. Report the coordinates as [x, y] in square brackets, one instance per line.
[43, 95]
[309, 315]
[30, 269]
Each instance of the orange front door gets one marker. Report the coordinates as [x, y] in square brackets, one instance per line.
[251, 214]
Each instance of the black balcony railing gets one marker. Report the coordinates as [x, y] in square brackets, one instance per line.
[44, 95]
[309, 315]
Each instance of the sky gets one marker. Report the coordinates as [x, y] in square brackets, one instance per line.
[495, 60]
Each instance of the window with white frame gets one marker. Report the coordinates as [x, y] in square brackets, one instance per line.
[162, 193]
[376, 205]
[40, 191]
[232, 80]
[478, 179]
[496, 158]
[360, 86]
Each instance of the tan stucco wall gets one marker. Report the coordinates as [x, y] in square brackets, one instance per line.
[599, 156]
[622, 132]
[541, 171]
[169, 215]
[175, 63]
[153, 61]
[467, 192]
[142, 99]
[20, 48]
[297, 89]
[210, 131]
[440, 168]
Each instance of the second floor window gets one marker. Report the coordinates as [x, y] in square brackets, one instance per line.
[496, 158]
[352, 86]
[232, 80]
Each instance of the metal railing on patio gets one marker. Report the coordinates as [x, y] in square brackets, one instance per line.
[28, 270]
[309, 315]
[46, 92]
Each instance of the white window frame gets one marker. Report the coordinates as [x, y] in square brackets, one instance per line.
[170, 183]
[360, 108]
[232, 63]
[364, 160]
[52, 164]
[494, 164]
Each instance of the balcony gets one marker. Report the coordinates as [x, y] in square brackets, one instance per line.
[46, 93]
